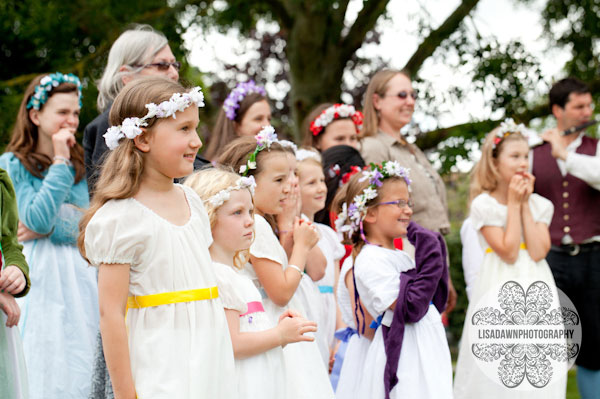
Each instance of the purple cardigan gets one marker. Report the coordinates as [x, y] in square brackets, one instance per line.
[427, 283]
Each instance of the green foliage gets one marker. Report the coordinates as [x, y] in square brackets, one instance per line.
[41, 36]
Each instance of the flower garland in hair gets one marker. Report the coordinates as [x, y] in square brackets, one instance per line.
[243, 182]
[346, 176]
[303, 154]
[351, 217]
[233, 100]
[288, 144]
[47, 84]
[336, 111]
[507, 128]
[131, 127]
[264, 139]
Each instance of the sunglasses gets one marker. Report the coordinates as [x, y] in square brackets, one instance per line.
[404, 94]
[399, 203]
[162, 66]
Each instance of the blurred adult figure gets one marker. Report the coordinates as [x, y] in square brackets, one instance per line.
[389, 104]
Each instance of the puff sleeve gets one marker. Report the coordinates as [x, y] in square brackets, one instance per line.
[114, 236]
[266, 245]
[486, 212]
[542, 209]
[229, 290]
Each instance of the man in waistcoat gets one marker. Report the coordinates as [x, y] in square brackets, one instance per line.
[567, 172]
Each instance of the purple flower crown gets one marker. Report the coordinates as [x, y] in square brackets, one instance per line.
[232, 103]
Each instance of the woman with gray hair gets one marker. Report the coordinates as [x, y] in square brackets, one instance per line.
[140, 51]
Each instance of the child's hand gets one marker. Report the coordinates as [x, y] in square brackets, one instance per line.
[25, 234]
[12, 280]
[291, 209]
[530, 183]
[516, 189]
[305, 233]
[292, 329]
[62, 141]
[289, 313]
[9, 306]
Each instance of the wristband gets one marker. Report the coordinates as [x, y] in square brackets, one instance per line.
[297, 268]
[63, 159]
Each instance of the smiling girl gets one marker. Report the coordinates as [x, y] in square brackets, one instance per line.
[163, 327]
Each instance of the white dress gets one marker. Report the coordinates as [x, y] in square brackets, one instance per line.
[358, 345]
[180, 350]
[262, 375]
[470, 381]
[333, 251]
[306, 374]
[424, 367]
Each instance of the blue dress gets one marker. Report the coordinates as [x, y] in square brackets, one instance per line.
[59, 316]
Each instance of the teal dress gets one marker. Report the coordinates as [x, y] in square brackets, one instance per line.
[59, 316]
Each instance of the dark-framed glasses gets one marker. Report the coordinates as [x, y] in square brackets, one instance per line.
[162, 66]
[399, 203]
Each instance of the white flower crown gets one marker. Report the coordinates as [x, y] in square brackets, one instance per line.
[131, 127]
[303, 154]
[243, 182]
[507, 128]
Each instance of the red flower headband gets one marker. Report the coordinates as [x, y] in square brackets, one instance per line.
[334, 112]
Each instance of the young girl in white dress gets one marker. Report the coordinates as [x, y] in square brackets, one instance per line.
[257, 346]
[409, 355]
[60, 313]
[265, 158]
[163, 326]
[512, 224]
[313, 194]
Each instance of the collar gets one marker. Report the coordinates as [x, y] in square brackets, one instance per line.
[575, 143]
[387, 139]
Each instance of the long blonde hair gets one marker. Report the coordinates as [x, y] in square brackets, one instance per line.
[377, 85]
[485, 175]
[122, 170]
[209, 182]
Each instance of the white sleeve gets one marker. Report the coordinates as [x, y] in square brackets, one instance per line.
[228, 290]
[472, 254]
[585, 167]
[377, 282]
[486, 212]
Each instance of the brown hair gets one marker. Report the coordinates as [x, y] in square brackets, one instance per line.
[122, 170]
[308, 139]
[209, 182]
[346, 194]
[224, 130]
[236, 154]
[485, 174]
[24, 139]
[377, 85]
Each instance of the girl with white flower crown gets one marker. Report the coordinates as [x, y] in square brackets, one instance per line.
[313, 194]
[408, 356]
[512, 227]
[277, 276]
[163, 327]
[46, 166]
[257, 345]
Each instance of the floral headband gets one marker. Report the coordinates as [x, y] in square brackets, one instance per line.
[131, 127]
[334, 112]
[47, 84]
[302, 155]
[243, 182]
[232, 103]
[264, 139]
[346, 176]
[507, 128]
[350, 219]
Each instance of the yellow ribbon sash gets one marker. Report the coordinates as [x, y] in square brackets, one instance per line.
[145, 301]
[489, 250]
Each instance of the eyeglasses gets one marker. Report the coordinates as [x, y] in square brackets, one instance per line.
[404, 94]
[399, 203]
[162, 66]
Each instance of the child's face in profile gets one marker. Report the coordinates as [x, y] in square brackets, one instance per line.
[272, 184]
[235, 222]
[312, 187]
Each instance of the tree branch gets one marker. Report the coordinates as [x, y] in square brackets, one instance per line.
[365, 21]
[436, 37]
